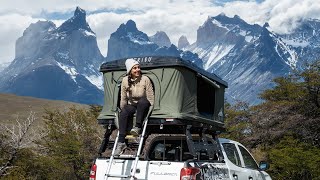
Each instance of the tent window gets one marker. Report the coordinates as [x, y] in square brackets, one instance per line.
[205, 97]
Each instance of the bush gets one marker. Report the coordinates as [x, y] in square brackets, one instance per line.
[71, 141]
[292, 159]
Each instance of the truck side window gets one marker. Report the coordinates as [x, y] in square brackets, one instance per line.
[232, 153]
[249, 162]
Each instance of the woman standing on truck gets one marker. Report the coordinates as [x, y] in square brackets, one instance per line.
[137, 96]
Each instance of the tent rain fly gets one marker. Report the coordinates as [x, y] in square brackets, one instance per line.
[182, 90]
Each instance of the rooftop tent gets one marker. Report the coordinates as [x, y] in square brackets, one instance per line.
[182, 90]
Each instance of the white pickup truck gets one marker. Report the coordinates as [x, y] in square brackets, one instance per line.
[188, 107]
[174, 157]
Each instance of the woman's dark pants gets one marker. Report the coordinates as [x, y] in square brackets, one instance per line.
[127, 113]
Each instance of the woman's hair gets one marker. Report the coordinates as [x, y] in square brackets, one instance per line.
[130, 82]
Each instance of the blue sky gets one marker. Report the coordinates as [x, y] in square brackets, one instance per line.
[175, 17]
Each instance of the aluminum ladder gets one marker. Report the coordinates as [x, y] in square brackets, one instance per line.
[135, 164]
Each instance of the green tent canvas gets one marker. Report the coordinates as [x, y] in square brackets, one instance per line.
[182, 91]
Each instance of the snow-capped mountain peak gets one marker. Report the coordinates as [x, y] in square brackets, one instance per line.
[238, 52]
[128, 41]
[63, 62]
[56, 63]
[79, 12]
[78, 21]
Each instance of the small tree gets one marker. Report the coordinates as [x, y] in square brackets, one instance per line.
[71, 141]
[14, 138]
[238, 122]
[292, 159]
[301, 89]
[311, 86]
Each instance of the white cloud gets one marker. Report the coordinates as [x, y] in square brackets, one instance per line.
[175, 17]
[103, 24]
[286, 15]
[164, 16]
[12, 27]
[283, 16]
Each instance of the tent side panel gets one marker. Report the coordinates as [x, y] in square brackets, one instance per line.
[155, 77]
[108, 96]
[112, 82]
[188, 90]
[171, 93]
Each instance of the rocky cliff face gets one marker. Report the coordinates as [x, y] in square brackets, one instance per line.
[63, 62]
[161, 39]
[247, 56]
[56, 62]
[305, 41]
[128, 41]
[183, 42]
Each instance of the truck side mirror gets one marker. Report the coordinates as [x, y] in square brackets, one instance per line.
[263, 165]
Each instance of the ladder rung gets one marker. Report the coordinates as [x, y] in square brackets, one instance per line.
[125, 156]
[131, 137]
[130, 144]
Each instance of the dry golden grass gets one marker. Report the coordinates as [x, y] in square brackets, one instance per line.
[14, 107]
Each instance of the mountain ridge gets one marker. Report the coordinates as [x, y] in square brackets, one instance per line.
[45, 53]
[247, 56]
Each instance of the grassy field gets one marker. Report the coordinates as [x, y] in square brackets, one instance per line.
[19, 107]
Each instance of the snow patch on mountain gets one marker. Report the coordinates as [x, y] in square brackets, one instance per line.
[88, 33]
[69, 70]
[63, 55]
[213, 54]
[291, 57]
[96, 80]
[296, 43]
[216, 54]
[247, 36]
[138, 39]
[214, 21]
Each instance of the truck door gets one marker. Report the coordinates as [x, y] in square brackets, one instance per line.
[250, 164]
[234, 163]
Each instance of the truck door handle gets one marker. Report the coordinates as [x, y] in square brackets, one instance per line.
[235, 176]
[137, 170]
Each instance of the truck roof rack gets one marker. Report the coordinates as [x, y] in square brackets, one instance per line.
[171, 126]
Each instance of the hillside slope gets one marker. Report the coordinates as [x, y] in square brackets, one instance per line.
[19, 107]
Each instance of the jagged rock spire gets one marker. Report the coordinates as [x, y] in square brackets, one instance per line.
[161, 39]
[80, 12]
[78, 21]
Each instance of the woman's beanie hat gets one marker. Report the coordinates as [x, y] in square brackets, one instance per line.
[130, 63]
